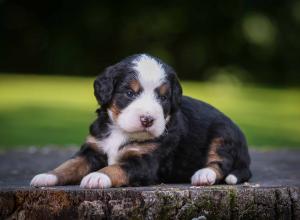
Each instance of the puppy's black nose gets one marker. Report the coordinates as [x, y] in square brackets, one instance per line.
[146, 121]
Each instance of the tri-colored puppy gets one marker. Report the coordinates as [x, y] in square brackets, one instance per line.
[148, 133]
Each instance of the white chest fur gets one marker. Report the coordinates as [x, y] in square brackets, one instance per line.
[111, 144]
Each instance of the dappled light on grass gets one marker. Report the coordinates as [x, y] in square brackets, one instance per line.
[42, 110]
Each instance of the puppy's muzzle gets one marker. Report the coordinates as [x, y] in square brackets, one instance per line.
[146, 121]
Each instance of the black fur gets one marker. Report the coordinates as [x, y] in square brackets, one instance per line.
[183, 148]
[106, 82]
[95, 159]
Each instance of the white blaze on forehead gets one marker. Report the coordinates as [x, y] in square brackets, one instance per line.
[150, 72]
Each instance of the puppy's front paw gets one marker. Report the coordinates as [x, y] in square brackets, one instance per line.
[231, 179]
[203, 177]
[44, 179]
[95, 180]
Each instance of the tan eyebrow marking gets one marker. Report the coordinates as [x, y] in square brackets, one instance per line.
[163, 89]
[135, 85]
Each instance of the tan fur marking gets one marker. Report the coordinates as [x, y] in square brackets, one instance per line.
[217, 169]
[135, 85]
[72, 170]
[136, 150]
[92, 142]
[213, 156]
[91, 139]
[163, 89]
[116, 174]
[115, 110]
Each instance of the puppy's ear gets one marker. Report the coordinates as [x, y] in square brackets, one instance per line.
[176, 93]
[104, 85]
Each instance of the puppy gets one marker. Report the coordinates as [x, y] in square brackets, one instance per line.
[147, 132]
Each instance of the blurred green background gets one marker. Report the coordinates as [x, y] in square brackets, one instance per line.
[240, 56]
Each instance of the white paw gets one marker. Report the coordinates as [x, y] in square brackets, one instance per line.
[44, 179]
[231, 179]
[205, 176]
[95, 180]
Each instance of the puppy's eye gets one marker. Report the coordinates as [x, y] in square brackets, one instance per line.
[163, 97]
[130, 93]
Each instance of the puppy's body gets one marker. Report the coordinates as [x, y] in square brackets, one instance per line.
[208, 138]
[147, 133]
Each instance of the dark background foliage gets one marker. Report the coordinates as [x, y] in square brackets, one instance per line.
[254, 40]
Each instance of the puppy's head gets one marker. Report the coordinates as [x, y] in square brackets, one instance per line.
[140, 94]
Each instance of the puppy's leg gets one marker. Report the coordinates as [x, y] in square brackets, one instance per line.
[88, 159]
[217, 166]
[238, 176]
[110, 176]
[137, 166]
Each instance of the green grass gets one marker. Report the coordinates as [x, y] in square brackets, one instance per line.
[43, 110]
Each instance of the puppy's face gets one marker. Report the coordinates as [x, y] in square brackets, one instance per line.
[140, 94]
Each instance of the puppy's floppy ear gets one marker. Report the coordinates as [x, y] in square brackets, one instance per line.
[104, 85]
[176, 93]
